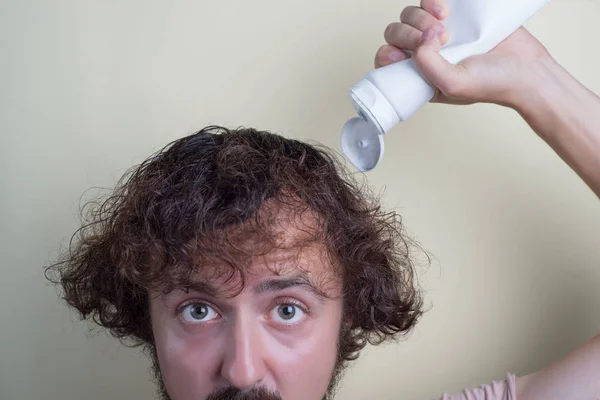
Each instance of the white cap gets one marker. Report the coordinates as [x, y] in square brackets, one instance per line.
[362, 144]
[373, 106]
[362, 138]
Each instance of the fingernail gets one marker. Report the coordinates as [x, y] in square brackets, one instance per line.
[438, 11]
[395, 55]
[428, 35]
[439, 30]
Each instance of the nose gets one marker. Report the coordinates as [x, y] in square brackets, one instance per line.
[243, 359]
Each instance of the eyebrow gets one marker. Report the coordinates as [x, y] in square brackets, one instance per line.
[268, 285]
[201, 287]
[278, 284]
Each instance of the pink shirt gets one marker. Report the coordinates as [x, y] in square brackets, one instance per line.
[505, 390]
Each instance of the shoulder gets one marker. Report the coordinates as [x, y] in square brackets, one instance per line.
[497, 390]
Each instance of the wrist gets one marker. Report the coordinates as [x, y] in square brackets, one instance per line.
[563, 113]
[540, 88]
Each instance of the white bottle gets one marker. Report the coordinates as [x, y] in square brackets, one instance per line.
[389, 95]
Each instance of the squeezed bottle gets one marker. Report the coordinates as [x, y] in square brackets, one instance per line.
[392, 94]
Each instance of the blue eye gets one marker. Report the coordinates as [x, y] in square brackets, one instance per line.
[198, 312]
[287, 313]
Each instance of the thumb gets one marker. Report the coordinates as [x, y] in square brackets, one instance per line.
[448, 78]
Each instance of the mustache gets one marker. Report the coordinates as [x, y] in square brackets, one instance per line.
[232, 393]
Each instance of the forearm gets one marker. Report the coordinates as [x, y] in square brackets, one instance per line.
[566, 115]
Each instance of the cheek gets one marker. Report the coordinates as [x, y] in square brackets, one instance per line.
[302, 366]
[187, 363]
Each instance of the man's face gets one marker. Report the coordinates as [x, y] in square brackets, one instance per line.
[278, 335]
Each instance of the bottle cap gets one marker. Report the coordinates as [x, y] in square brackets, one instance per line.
[373, 106]
[362, 144]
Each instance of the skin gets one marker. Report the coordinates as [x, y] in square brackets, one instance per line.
[211, 337]
[522, 75]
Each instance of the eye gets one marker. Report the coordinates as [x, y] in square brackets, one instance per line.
[198, 312]
[287, 313]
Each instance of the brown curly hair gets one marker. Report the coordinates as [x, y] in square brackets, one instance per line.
[182, 204]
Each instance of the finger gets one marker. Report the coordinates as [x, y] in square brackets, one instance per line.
[450, 79]
[438, 8]
[402, 36]
[422, 20]
[387, 55]
[418, 18]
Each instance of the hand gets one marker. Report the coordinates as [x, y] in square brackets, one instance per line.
[501, 76]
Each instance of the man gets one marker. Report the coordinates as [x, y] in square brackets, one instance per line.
[243, 260]
[253, 267]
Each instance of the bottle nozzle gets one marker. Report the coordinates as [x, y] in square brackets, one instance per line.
[362, 144]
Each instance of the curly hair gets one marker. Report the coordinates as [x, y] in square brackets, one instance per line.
[186, 203]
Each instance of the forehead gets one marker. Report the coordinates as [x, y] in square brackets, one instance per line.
[307, 262]
[283, 241]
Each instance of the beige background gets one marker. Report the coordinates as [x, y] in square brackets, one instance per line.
[88, 88]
